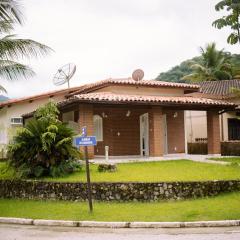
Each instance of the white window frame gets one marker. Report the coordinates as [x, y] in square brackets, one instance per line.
[98, 127]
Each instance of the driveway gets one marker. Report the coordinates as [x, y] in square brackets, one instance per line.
[20, 232]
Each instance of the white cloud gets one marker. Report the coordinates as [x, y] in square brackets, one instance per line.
[113, 37]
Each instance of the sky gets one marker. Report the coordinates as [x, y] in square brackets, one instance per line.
[112, 38]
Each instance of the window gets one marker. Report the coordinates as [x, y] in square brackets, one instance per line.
[98, 127]
[68, 116]
[233, 129]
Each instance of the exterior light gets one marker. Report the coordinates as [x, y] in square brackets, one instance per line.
[128, 113]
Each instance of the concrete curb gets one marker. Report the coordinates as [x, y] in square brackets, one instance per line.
[22, 221]
[97, 224]
[42, 222]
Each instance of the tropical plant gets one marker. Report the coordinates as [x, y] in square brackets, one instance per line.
[231, 20]
[214, 65]
[44, 146]
[176, 73]
[10, 11]
[12, 48]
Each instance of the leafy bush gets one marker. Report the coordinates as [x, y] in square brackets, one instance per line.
[44, 146]
[107, 167]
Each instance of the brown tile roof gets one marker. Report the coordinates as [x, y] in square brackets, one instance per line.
[129, 81]
[38, 96]
[107, 97]
[100, 84]
[222, 88]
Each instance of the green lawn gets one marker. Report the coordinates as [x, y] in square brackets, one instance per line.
[179, 170]
[215, 208]
[234, 160]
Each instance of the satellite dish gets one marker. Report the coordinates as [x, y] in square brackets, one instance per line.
[64, 74]
[138, 75]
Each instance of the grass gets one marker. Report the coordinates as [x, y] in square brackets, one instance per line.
[5, 171]
[178, 170]
[234, 160]
[222, 207]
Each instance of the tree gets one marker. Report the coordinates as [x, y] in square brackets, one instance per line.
[215, 65]
[231, 20]
[176, 73]
[44, 146]
[12, 48]
[10, 11]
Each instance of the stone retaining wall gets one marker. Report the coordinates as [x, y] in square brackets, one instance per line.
[131, 191]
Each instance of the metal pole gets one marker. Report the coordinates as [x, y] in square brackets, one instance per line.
[89, 189]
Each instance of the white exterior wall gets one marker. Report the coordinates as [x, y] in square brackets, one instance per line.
[196, 125]
[17, 110]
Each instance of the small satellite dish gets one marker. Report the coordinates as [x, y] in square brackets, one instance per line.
[138, 75]
[64, 74]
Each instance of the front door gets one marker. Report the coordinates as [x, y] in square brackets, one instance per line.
[165, 141]
[144, 135]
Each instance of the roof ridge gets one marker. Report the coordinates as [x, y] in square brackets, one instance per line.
[129, 81]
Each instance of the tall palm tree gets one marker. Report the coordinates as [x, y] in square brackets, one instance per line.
[215, 65]
[12, 48]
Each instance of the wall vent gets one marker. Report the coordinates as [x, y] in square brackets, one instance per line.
[16, 121]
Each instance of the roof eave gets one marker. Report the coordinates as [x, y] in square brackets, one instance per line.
[191, 106]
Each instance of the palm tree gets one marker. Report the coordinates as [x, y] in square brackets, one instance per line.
[12, 48]
[10, 10]
[215, 65]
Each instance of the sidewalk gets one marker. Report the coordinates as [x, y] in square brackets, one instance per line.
[168, 157]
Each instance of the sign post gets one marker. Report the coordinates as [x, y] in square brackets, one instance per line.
[86, 141]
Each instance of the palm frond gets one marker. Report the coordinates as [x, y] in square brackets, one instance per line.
[6, 26]
[11, 70]
[2, 89]
[193, 77]
[15, 48]
[10, 10]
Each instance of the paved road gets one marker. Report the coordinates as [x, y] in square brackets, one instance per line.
[18, 232]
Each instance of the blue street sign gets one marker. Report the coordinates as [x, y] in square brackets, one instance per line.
[86, 141]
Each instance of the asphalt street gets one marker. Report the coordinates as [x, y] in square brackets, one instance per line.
[24, 232]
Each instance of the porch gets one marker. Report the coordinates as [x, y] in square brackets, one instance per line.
[140, 131]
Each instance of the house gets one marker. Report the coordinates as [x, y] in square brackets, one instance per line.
[133, 118]
[140, 118]
[229, 119]
[11, 111]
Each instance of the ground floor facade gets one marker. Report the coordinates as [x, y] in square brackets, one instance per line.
[138, 130]
[197, 127]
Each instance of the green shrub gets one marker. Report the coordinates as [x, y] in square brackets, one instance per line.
[43, 147]
[107, 167]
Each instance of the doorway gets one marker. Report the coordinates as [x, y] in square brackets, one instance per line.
[165, 141]
[144, 134]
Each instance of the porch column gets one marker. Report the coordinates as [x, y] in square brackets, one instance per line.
[213, 132]
[86, 119]
[156, 132]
